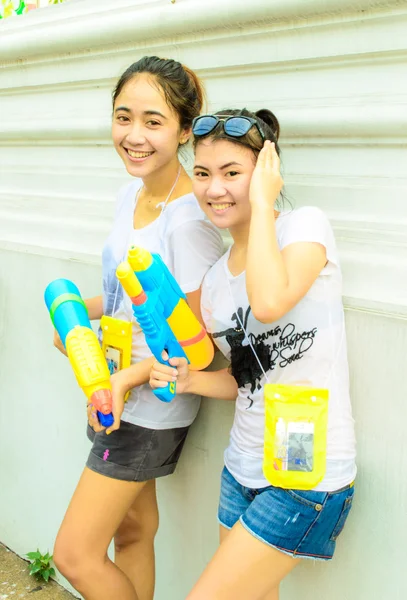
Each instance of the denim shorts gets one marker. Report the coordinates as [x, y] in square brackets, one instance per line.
[134, 453]
[302, 524]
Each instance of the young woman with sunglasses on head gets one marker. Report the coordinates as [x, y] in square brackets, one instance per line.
[273, 306]
[154, 104]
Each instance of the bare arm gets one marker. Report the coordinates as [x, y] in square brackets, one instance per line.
[276, 281]
[194, 302]
[95, 307]
[212, 384]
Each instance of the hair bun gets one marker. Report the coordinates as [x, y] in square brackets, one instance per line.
[270, 119]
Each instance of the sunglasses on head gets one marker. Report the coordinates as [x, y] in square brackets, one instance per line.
[234, 126]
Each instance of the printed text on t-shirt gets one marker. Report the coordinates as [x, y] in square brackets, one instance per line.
[290, 345]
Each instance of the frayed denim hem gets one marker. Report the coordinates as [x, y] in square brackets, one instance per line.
[283, 550]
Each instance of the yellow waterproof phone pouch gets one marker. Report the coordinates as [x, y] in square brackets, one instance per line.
[116, 343]
[295, 436]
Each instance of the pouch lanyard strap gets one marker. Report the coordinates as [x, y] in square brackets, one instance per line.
[162, 205]
[244, 330]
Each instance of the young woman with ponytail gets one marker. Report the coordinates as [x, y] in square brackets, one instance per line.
[154, 104]
[273, 304]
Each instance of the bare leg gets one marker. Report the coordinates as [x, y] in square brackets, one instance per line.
[243, 568]
[97, 508]
[223, 534]
[134, 542]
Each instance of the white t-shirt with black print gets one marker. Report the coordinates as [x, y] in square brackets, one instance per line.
[188, 244]
[307, 346]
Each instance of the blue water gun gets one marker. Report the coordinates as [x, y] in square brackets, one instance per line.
[160, 307]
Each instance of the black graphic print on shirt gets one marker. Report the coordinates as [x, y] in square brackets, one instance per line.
[244, 366]
[283, 347]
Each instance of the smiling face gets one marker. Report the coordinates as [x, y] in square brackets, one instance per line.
[221, 183]
[145, 130]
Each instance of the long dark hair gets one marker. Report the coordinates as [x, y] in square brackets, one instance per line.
[183, 91]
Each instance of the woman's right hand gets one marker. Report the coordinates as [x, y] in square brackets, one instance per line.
[58, 343]
[161, 375]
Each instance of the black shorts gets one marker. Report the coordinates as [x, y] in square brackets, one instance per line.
[134, 453]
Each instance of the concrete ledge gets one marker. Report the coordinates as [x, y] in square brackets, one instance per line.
[74, 28]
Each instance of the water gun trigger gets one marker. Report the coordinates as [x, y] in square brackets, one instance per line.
[172, 350]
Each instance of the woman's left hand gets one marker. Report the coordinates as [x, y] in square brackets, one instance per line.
[119, 389]
[266, 183]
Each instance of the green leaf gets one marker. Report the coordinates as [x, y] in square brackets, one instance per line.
[34, 568]
[46, 557]
[33, 555]
[52, 572]
[45, 574]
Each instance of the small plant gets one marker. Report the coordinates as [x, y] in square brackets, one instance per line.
[40, 566]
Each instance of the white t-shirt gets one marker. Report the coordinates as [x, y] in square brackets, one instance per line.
[305, 346]
[189, 244]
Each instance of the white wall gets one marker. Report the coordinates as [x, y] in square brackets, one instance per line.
[335, 73]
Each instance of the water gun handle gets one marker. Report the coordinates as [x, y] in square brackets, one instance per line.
[167, 393]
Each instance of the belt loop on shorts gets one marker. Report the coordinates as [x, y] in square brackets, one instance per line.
[344, 488]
